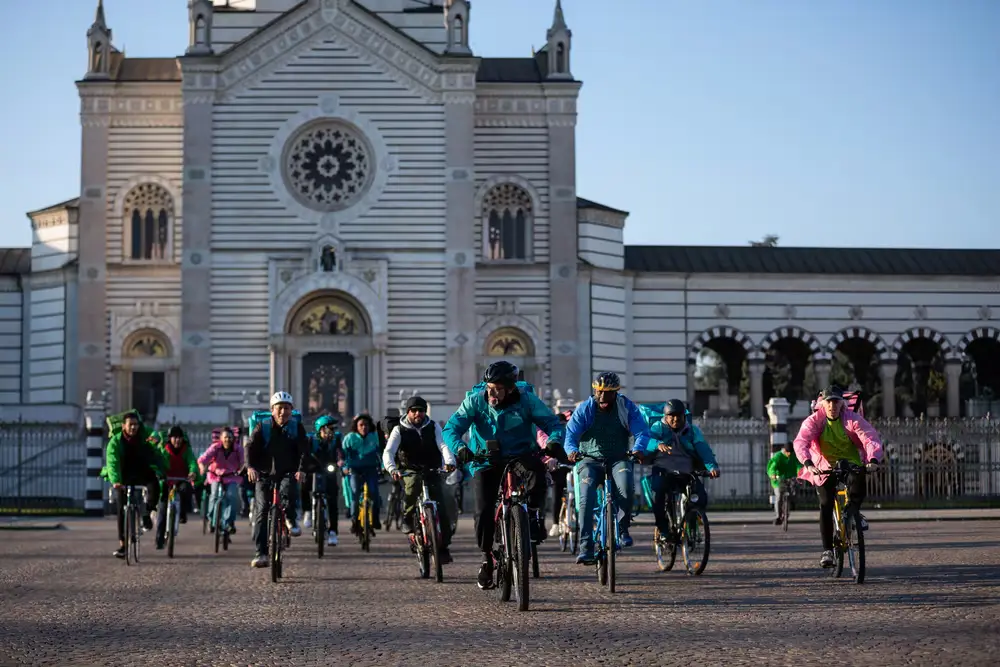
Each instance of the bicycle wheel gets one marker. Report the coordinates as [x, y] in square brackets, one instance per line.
[695, 541]
[838, 543]
[274, 543]
[319, 525]
[534, 561]
[610, 541]
[521, 552]
[433, 544]
[366, 524]
[505, 559]
[170, 530]
[130, 532]
[855, 546]
[203, 505]
[390, 509]
[419, 544]
[217, 523]
[564, 534]
[136, 533]
[784, 513]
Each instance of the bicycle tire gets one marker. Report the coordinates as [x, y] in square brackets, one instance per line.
[838, 544]
[434, 544]
[366, 538]
[857, 535]
[170, 530]
[274, 543]
[130, 530]
[203, 505]
[504, 574]
[217, 522]
[784, 513]
[564, 533]
[665, 550]
[610, 541]
[319, 525]
[698, 518]
[390, 510]
[534, 561]
[522, 553]
[137, 532]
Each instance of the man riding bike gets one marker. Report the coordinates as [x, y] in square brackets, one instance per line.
[133, 460]
[282, 454]
[832, 433]
[326, 452]
[502, 414]
[782, 466]
[601, 428]
[681, 448]
[417, 444]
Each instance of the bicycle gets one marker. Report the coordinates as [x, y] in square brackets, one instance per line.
[173, 517]
[135, 501]
[203, 507]
[688, 527]
[395, 507]
[607, 529]
[222, 533]
[364, 517]
[569, 529]
[513, 547]
[783, 496]
[848, 524]
[426, 537]
[347, 493]
[279, 538]
[319, 508]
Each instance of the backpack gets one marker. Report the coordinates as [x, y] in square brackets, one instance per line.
[115, 422]
[853, 400]
[263, 419]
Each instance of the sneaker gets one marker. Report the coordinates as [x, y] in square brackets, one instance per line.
[288, 524]
[355, 527]
[444, 556]
[259, 560]
[307, 520]
[160, 544]
[826, 560]
[377, 524]
[626, 540]
[184, 518]
[407, 526]
[554, 530]
[777, 521]
[537, 529]
[585, 559]
[331, 539]
[120, 553]
[232, 529]
[485, 579]
[295, 531]
[147, 522]
[864, 523]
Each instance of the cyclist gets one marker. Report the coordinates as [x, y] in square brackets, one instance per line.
[180, 462]
[417, 443]
[133, 460]
[832, 433]
[681, 448]
[559, 476]
[326, 451]
[223, 462]
[361, 462]
[277, 448]
[500, 413]
[601, 427]
[782, 466]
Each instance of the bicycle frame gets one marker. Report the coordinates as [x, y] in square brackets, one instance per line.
[135, 502]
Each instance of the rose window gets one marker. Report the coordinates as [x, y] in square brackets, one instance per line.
[328, 166]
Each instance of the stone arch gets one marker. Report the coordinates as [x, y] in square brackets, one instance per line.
[161, 199]
[146, 342]
[531, 361]
[863, 333]
[988, 333]
[125, 334]
[306, 319]
[502, 179]
[292, 297]
[522, 196]
[926, 333]
[819, 353]
[118, 207]
[723, 332]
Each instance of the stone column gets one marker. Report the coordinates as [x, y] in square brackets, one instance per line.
[777, 412]
[196, 234]
[92, 321]
[94, 414]
[691, 383]
[953, 375]
[887, 369]
[563, 253]
[756, 370]
[822, 369]
[461, 221]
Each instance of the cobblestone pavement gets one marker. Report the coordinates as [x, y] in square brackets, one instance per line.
[932, 597]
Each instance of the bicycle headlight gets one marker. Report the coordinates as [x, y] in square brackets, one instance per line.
[693, 498]
[331, 468]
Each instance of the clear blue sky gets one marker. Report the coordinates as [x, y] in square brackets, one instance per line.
[713, 122]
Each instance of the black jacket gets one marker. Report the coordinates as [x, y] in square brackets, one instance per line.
[282, 455]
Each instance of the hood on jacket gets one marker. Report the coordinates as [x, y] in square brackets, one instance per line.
[404, 422]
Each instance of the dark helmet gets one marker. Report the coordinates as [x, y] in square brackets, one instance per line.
[501, 372]
[789, 447]
[607, 382]
[675, 406]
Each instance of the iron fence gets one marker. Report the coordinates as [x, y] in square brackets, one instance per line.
[43, 467]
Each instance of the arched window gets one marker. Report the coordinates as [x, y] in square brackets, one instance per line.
[146, 345]
[560, 58]
[327, 315]
[149, 214]
[508, 342]
[507, 214]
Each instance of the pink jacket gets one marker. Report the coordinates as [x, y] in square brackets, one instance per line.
[861, 433]
[217, 463]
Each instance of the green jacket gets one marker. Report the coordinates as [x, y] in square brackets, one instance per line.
[782, 467]
[187, 456]
[112, 471]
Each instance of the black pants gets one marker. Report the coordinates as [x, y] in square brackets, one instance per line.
[665, 486]
[263, 492]
[558, 489]
[486, 483]
[151, 483]
[328, 486]
[856, 491]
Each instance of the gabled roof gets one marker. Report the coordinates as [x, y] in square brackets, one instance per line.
[15, 261]
[825, 261]
[69, 203]
[586, 203]
[147, 69]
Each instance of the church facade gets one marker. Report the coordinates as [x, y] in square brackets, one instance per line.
[339, 199]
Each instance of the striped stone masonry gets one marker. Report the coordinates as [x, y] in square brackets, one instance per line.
[777, 411]
[94, 414]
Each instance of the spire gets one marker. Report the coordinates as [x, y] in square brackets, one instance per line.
[99, 17]
[558, 20]
[200, 15]
[456, 23]
[558, 41]
[99, 46]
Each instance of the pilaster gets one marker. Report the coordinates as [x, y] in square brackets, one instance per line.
[953, 376]
[887, 369]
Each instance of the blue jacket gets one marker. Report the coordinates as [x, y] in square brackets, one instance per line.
[513, 426]
[690, 437]
[629, 414]
[361, 452]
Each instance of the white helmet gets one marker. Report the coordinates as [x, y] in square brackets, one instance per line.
[282, 397]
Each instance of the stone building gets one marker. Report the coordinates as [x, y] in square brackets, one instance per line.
[340, 199]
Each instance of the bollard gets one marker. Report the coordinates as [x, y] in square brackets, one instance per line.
[94, 416]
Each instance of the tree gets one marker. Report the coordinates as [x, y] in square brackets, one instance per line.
[769, 241]
[710, 367]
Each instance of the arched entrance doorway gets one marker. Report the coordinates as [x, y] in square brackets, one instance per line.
[326, 357]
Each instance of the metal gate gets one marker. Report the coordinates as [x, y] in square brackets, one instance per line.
[43, 468]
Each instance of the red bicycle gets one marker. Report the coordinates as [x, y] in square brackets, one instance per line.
[278, 538]
[512, 551]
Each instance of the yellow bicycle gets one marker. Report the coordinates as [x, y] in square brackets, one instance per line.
[848, 530]
[365, 519]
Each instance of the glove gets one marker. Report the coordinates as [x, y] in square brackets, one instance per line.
[464, 455]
